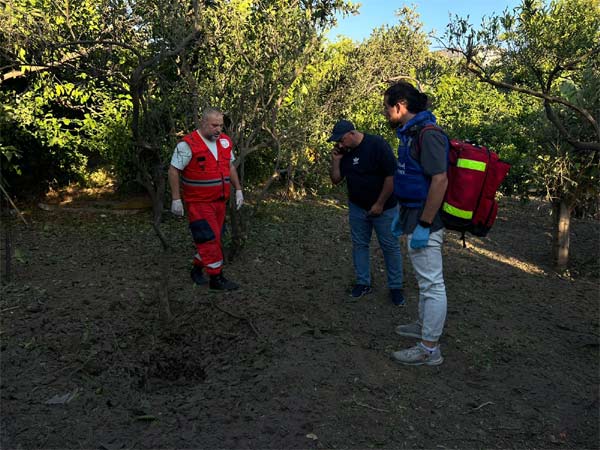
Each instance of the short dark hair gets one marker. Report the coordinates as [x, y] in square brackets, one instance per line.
[416, 101]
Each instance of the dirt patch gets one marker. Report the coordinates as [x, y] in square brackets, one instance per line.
[288, 361]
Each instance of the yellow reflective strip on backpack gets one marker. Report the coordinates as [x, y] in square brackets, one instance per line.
[457, 212]
[471, 164]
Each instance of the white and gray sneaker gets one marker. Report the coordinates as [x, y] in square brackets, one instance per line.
[419, 355]
[411, 330]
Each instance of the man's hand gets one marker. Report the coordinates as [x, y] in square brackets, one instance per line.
[337, 153]
[336, 158]
[239, 199]
[375, 210]
[177, 207]
[420, 237]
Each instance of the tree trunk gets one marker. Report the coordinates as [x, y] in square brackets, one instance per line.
[290, 187]
[263, 192]
[7, 251]
[562, 226]
[158, 199]
[236, 220]
[163, 298]
[164, 303]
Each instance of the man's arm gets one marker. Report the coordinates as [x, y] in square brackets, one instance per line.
[386, 191]
[176, 204]
[435, 196]
[174, 183]
[388, 164]
[180, 159]
[434, 160]
[334, 172]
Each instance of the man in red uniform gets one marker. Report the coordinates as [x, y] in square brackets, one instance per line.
[203, 161]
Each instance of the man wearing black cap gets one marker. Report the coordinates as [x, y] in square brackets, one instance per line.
[368, 164]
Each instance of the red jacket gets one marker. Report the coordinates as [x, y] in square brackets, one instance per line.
[204, 178]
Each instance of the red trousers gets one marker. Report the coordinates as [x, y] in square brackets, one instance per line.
[206, 224]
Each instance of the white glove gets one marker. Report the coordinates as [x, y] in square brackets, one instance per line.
[239, 199]
[177, 207]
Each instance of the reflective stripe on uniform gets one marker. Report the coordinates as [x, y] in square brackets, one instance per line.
[204, 183]
[215, 265]
[457, 212]
[471, 164]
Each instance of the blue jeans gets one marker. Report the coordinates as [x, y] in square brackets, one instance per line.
[361, 228]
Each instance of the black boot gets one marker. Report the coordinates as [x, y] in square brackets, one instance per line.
[220, 283]
[197, 276]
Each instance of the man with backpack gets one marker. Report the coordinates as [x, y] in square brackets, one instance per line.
[420, 183]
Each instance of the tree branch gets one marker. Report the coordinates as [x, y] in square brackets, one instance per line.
[39, 68]
[570, 65]
[541, 95]
[552, 117]
[398, 78]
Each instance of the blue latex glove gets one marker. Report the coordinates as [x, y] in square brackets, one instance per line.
[420, 237]
[396, 229]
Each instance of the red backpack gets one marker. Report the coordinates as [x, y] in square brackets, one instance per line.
[474, 175]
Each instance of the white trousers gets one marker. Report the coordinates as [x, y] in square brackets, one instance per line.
[427, 263]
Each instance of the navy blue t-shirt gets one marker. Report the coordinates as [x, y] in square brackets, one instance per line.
[365, 168]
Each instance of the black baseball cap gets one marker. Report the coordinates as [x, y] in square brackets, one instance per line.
[340, 129]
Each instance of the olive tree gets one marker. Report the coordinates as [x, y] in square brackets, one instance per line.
[550, 52]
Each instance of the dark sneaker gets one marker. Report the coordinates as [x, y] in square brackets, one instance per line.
[360, 290]
[411, 330]
[220, 283]
[419, 355]
[397, 297]
[197, 276]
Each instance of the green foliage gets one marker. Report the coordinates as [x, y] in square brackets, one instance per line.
[498, 119]
[547, 51]
[62, 125]
[539, 38]
[258, 65]
[9, 152]
[34, 163]
[348, 82]
[390, 52]
[52, 95]
[122, 81]
[72, 102]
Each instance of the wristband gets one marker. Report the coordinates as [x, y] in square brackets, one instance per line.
[424, 224]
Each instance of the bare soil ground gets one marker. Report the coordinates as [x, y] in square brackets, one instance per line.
[288, 361]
